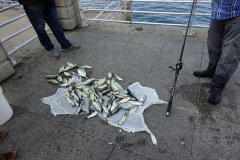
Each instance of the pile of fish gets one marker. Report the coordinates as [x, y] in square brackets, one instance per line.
[94, 96]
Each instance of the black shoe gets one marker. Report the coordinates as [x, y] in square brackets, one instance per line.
[214, 97]
[202, 74]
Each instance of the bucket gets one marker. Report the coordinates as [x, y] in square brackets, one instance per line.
[6, 111]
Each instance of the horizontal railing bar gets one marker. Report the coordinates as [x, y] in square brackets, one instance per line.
[12, 20]
[15, 34]
[154, 1]
[20, 46]
[7, 8]
[147, 12]
[166, 24]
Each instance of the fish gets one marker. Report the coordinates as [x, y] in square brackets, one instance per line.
[64, 80]
[93, 114]
[114, 88]
[97, 106]
[126, 107]
[68, 94]
[79, 109]
[92, 97]
[132, 110]
[105, 109]
[114, 105]
[136, 103]
[87, 66]
[82, 72]
[69, 100]
[51, 76]
[106, 91]
[122, 120]
[70, 88]
[61, 69]
[78, 93]
[59, 78]
[102, 87]
[118, 77]
[89, 81]
[70, 64]
[124, 100]
[67, 74]
[67, 68]
[74, 95]
[53, 81]
[101, 81]
[110, 75]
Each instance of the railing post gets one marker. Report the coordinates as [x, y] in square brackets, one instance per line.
[82, 22]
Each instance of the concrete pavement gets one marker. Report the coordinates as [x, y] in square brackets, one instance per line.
[195, 129]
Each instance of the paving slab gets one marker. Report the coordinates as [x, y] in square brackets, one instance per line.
[185, 95]
[26, 132]
[173, 134]
[139, 54]
[129, 72]
[215, 139]
[119, 154]
[66, 143]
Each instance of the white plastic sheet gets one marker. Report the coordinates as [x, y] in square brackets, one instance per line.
[134, 122]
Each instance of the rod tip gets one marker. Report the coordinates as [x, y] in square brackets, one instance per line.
[168, 114]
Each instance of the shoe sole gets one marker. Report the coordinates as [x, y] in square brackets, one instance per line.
[214, 103]
[202, 76]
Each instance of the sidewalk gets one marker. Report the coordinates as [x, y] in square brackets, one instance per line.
[195, 129]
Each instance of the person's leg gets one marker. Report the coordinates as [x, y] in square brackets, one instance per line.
[214, 42]
[8, 156]
[35, 13]
[55, 24]
[230, 58]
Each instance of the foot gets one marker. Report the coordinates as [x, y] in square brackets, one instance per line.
[71, 48]
[8, 156]
[54, 53]
[202, 74]
[214, 97]
[2, 135]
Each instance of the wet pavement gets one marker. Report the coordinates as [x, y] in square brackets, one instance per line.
[195, 129]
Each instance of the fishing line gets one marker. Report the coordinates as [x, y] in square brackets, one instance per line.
[179, 64]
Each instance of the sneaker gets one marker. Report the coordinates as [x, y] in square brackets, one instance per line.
[8, 156]
[2, 135]
[71, 48]
[54, 53]
[214, 97]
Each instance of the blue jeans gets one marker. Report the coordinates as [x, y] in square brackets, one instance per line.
[223, 50]
[38, 14]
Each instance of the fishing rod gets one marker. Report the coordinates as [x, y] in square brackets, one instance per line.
[179, 64]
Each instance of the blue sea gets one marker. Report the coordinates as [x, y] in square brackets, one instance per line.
[168, 7]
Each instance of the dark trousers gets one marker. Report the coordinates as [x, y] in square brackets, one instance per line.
[224, 50]
[42, 12]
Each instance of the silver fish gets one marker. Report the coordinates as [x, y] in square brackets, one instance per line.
[61, 69]
[82, 72]
[124, 100]
[126, 107]
[105, 109]
[67, 74]
[122, 120]
[114, 105]
[97, 106]
[118, 77]
[53, 81]
[110, 75]
[69, 100]
[136, 103]
[87, 66]
[78, 93]
[89, 81]
[132, 110]
[101, 81]
[64, 80]
[51, 76]
[67, 68]
[59, 78]
[93, 114]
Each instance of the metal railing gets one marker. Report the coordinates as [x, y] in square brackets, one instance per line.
[18, 32]
[126, 7]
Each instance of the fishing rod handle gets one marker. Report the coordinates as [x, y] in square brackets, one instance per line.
[169, 108]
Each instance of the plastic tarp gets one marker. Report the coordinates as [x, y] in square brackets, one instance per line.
[134, 122]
